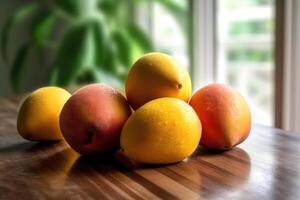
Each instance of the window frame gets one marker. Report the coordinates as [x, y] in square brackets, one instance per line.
[286, 47]
[203, 43]
[290, 72]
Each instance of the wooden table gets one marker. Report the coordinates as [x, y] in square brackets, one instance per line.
[265, 166]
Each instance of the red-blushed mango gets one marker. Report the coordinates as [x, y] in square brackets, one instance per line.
[92, 119]
[224, 114]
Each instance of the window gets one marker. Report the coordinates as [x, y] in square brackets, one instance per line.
[233, 43]
[169, 34]
[167, 23]
[245, 43]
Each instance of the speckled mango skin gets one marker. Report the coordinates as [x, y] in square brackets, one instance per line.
[224, 114]
[156, 75]
[38, 117]
[164, 130]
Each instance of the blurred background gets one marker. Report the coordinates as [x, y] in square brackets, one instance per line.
[73, 42]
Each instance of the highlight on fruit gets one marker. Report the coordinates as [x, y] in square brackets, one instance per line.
[157, 121]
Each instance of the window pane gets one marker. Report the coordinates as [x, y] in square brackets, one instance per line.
[245, 42]
[169, 33]
[166, 23]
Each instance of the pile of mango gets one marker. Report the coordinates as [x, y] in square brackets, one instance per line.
[157, 121]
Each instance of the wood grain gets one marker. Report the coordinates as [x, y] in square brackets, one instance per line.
[266, 166]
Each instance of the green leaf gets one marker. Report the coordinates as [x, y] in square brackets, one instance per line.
[75, 55]
[19, 16]
[123, 45]
[179, 12]
[101, 41]
[43, 27]
[108, 7]
[53, 76]
[18, 67]
[77, 8]
[111, 58]
[86, 76]
[70, 7]
[140, 37]
[103, 76]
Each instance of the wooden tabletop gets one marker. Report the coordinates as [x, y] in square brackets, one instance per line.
[265, 166]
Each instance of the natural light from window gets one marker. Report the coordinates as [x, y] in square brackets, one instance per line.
[245, 42]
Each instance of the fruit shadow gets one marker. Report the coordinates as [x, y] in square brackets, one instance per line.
[117, 161]
[28, 146]
[235, 151]
[47, 145]
[121, 162]
[65, 168]
[211, 173]
[19, 147]
[201, 151]
[97, 174]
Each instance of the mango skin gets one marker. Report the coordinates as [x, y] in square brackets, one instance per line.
[156, 75]
[224, 114]
[163, 131]
[38, 117]
[92, 119]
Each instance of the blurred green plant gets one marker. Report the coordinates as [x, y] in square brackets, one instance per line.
[242, 28]
[97, 39]
[249, 55]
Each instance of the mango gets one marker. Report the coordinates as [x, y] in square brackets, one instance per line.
[156, 75]
[92, 119]
[38, 117]
[164, 130]
[224, 114]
